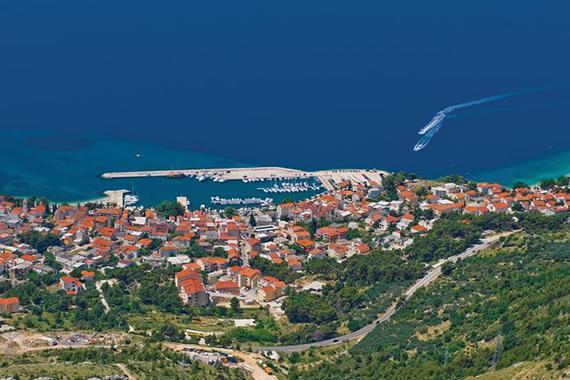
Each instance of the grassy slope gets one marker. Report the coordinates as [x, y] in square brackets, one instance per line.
[145, 362]
[525, 371]
[58, 371]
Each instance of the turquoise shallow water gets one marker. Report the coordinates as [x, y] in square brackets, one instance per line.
[68, 169]
[530, 172]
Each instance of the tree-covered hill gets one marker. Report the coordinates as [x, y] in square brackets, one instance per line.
[492, 311]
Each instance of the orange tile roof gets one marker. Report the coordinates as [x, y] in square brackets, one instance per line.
[192, 286]
[249, 272]
[226, 285]
[193, 267]
[9, 301]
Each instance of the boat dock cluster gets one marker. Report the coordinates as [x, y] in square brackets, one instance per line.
[206, 176]
[241, 201]
[293, 180]
[291, 187]
[327, 177]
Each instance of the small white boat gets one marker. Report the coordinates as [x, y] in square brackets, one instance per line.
[131, 200]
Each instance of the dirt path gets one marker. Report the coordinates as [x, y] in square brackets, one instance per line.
[126, 371]
[98, 286]
[17, 342]
[250, 359]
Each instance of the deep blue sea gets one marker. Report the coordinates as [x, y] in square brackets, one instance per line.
[85, 85]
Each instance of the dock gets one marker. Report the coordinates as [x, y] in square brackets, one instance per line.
[220, 173]
[327, 177]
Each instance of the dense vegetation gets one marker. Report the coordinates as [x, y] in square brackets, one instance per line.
[137, 291]
[167, 209]
[391, 183]
[449, 237]
[268, 268]
[454, 233]
[490, 311]
[40, 242]
[363, 287]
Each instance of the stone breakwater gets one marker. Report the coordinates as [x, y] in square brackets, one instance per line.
[327, 177]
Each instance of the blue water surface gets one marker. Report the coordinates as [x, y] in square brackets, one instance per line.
[304, 84]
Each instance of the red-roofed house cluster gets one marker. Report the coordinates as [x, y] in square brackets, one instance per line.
[353, 219]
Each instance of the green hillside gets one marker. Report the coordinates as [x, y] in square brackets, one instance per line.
[507, 305]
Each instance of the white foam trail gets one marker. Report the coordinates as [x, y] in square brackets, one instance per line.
[481, 101]
[436, 122]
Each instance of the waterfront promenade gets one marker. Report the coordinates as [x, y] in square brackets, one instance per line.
[327, 177]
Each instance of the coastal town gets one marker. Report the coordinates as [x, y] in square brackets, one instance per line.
[355, 218]
[202, 280]
[284, 190]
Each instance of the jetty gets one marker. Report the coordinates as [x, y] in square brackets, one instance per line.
[328, 178]
[220, 173]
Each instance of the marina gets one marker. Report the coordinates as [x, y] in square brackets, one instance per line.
[206, 186]
[291, 187]
[241, 201]
[258, 174]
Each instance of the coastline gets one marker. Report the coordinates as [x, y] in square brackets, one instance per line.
[103, 199]
[328, 179]
[74, 177]
[531, 172]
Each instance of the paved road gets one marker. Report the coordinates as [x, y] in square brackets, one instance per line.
[430, 277]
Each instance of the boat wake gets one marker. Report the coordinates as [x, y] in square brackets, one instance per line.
[435, 124]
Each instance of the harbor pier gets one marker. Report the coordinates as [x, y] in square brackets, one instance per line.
[227, 174]
[328, 178]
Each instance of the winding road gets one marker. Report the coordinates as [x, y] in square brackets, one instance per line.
[430, 277]
[251, 360]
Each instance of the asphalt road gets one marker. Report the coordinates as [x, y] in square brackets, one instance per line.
[430, 277]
